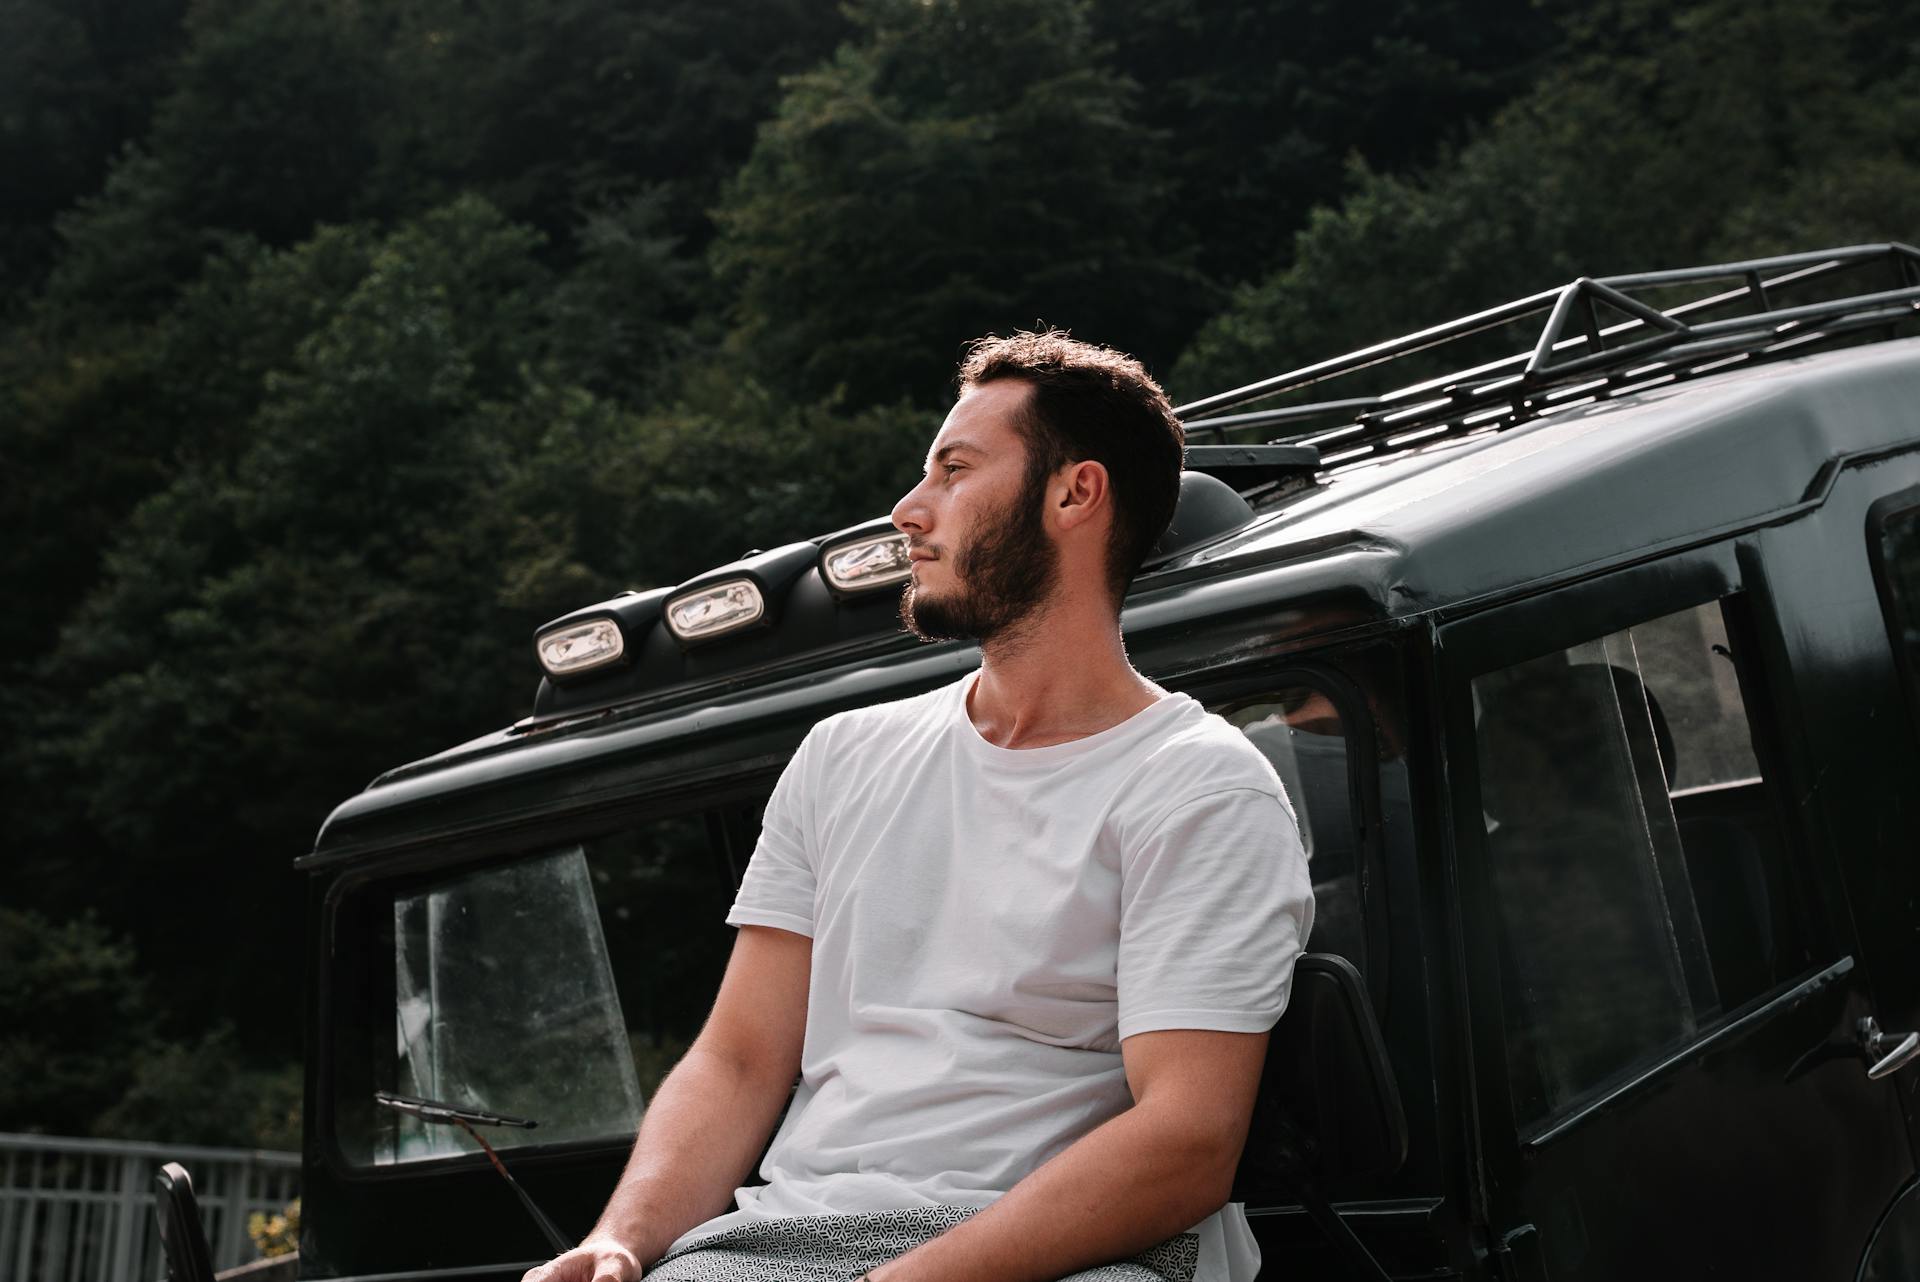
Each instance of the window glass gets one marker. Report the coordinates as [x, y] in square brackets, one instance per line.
[1686, 658]
[504, 1001]
[1300, 731]
[1898, 552]
[558, 988]
[1638, 865]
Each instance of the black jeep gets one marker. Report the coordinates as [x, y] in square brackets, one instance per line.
[1593, 671]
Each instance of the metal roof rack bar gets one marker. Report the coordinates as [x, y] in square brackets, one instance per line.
[1848, 255]
[1649, 347]
[1307, 375]
[1581, 296]
[1289, 414]
[1620, 327]
[1807, 311]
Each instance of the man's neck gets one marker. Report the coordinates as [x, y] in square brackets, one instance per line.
[1056, 679]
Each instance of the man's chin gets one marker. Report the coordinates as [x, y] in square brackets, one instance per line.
[932, 618]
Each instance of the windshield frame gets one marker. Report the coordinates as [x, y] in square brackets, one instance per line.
[471, 853]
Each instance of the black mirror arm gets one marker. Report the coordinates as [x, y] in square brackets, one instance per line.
[1360, 1262]
[1295, 1154]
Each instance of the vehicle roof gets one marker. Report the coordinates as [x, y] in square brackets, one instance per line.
[1492, 513]
[1461, 522]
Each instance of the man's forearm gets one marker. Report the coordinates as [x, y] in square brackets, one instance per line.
[1130, 1184]
[702, 1131]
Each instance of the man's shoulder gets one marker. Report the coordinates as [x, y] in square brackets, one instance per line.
[872, 722]
[1200, 753]
[1210, 743]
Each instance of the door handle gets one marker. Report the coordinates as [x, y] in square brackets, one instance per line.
[1887, 1053]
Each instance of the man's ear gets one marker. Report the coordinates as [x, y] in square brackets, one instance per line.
[1081, 493]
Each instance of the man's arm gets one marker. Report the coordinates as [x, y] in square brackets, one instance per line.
[1155, 1170]
[711, 1117]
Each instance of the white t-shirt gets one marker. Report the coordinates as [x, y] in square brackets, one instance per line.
[988, 924]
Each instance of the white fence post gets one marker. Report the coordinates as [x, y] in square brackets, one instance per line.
[128, 1225]
[76, 1210]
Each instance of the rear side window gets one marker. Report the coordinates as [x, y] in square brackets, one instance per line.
[1894, 540]
[559, 988]
[1638, 861]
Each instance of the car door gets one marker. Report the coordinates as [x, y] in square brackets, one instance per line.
[1664, 981]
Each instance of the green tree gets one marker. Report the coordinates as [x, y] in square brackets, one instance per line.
[78, 80]
[73, 1015]
[958, 166]
[555, 109]
[254, 614]
[1671, 137]
[627, 313]
[1262, 102]
[89, 429]
[268, 129]
[205, 1091]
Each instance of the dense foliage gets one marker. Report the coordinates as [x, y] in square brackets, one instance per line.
[343, 344]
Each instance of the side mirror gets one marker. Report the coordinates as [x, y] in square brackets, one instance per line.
[1328, 1109]
[181, 1237]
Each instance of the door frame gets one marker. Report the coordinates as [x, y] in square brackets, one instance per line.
[1545, 623]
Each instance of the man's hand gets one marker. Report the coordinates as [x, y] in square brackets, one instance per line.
[598, 1259]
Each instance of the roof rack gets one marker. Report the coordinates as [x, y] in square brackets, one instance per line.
[1576, 359]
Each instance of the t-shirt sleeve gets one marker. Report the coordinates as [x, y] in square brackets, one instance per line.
[778, 887]
[1215, 907]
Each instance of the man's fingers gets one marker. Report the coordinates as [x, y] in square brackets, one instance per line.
[616, 1267]
[588, 1263]
[565, 1268]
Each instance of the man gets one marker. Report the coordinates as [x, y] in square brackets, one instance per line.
[1021, 938]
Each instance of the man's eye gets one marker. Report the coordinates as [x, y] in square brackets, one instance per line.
[951, 468]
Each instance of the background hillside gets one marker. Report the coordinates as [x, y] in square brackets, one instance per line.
[341, 344]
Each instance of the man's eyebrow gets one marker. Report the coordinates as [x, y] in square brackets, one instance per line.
[940, 455]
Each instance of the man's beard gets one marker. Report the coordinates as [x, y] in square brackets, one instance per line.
[1006, 571]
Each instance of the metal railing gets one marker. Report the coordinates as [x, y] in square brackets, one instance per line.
[74, 1210]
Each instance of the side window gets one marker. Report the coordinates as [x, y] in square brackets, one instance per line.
[1300, 730]
[1895, 545]
[560, 988]
[1639, 867]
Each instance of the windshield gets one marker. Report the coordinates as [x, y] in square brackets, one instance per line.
[504, 1000]
[560, 987]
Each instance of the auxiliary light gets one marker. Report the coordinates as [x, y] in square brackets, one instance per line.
[580, 647]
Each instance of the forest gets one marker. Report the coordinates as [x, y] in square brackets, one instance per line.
[342, 344]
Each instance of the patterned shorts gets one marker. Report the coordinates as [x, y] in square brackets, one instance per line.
[839, 1248]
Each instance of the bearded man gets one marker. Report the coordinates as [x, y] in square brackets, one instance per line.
[1020, 938]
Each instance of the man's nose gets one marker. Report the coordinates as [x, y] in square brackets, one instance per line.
[910, 513]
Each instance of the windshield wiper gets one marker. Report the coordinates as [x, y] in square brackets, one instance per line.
[442, 1114]
[432, 1110]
